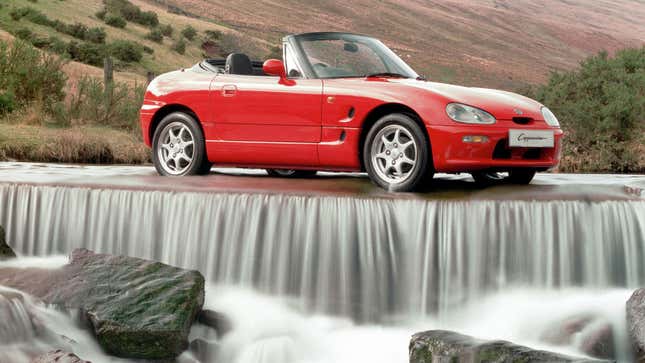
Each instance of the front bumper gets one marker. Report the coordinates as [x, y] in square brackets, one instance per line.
[451, 154]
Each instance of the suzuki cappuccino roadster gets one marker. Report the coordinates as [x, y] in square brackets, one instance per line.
[342, 102]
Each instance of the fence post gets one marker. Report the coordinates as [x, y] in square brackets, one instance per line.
[150, 76]
[108, 82]
[108, 72]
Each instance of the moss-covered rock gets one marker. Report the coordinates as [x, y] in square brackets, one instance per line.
[137, 308]
[445, 346]
[5, 250]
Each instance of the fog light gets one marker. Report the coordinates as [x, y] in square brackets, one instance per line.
[475, 139]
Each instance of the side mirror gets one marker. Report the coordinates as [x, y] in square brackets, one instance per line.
[274, 67]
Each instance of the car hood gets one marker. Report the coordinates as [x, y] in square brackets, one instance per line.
[501, 104]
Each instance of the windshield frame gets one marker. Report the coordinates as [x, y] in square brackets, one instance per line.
[296, 45]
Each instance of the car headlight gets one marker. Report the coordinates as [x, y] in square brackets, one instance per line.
[550, 118]
[468, 114]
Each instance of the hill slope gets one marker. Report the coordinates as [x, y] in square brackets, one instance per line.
[499, 43]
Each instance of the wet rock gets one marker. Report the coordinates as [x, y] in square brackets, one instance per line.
[215, 320]
[591, 334]
[445, 346]
[636, 323]
[598, 341]
[58, 356]
[136, 308]
[563, 332]
[5, 250]
[202, 350]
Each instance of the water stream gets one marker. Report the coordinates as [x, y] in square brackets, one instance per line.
[344, 278]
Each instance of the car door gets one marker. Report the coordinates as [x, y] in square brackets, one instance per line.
[261, 121]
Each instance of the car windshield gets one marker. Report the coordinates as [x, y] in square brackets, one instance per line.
[337, 55]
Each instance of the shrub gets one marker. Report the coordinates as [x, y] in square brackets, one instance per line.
[30, 75]
[148, 18]
[213, 34]
[602, 109]
[87, 53]
[115, 21]
[155, 35]
[77, 30]
[126, 51]
[189, 32]
[166, 30]
[35, 16]
[179, 46]
[40, 42]
[7, 102]
[131, 12]
[116, 106]
[24, 33]
[96, 35]
[101, 14]
[57, 46]
[18, 13]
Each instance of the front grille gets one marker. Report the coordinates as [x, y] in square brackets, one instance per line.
[504, 152]
[522, 120]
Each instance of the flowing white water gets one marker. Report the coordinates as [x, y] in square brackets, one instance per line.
[338, 275]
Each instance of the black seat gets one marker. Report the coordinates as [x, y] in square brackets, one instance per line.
[238, 63]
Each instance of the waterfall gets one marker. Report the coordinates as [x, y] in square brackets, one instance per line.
[368, 259]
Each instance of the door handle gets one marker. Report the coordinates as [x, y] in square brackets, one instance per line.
[229, 90]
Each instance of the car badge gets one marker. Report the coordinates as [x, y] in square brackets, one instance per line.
[518, 111]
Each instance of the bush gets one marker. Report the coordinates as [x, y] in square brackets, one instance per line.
[189, 32]
[126, 51]
[601, 107]
[36, 17]
[155, 35]
[179, 46]
[101, 14]
[96, 35]
[77, 30]
[117, 106]
[57, 46]
[115, 21]
[148, 18]
[18, 13]
[24, 33]
[166, 30]
[213, 34]
[7, 102]
[131, 12]
[30, 75]
[40, 42]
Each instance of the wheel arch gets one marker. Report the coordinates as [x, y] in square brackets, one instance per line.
[167, 110]
[385, 109]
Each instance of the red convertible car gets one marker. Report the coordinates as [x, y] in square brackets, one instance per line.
[342, 102]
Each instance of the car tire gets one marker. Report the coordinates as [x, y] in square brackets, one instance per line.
[396, 154]
[516, 176]
[291, 173]
[178, 146]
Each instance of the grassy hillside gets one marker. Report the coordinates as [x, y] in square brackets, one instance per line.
[494, 43]
[158, 56]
